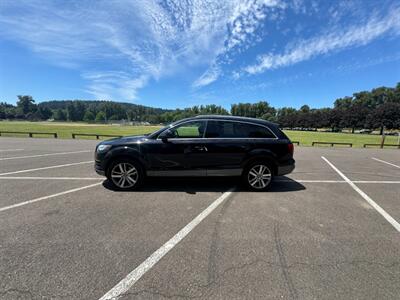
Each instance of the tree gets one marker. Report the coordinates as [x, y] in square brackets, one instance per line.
[60, 115]
[286, 117]
[354, 116]
[386, 115]
[26, 104]
[101, 117]
[114, 118]
[305, 109]
[80, 109]
[89, 116]
[71, 112]
[43, 113]
[335, 117]
[343, 103]
[2, 113]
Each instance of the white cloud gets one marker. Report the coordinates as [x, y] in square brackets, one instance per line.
[150, 38]
[110, 84]
[147, 40]
[333, 41]
[209, 76]
[245, 18]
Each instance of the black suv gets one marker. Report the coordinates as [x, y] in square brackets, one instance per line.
[199, 146]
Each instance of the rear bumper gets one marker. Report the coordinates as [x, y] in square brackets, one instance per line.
[286, 168]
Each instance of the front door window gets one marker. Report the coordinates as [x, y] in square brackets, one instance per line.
[189, 130]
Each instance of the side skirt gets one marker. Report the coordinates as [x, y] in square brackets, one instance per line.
[195, 173]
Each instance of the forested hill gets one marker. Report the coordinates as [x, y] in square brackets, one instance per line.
[98, 104]
[91, 108]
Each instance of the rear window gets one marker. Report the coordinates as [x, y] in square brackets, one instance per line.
[226, 129]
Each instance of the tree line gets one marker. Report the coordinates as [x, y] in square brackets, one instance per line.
[378, 108]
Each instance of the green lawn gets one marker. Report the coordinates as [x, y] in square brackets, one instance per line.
[307, 137]
[64, 130]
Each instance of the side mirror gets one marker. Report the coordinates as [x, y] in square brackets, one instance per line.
[166, 135]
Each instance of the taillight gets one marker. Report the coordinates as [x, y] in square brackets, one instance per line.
[291, 148]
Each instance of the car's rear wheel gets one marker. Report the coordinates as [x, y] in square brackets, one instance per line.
[257, 176]
[125, 174]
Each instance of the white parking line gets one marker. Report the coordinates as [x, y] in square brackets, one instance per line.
[125, 284]
[48, 197]
[46, 168]
[50, 178]
[47, 154]
[385, 162]
[10, 150]
[309, 181]
[334, 181]
[379, 209]
[375, 181]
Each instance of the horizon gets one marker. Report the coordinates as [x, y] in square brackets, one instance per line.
[188, 107]
[288, 53]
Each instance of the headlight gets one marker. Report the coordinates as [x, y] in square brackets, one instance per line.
[103, 148]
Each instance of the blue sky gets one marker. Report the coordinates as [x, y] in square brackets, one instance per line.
[182, 53]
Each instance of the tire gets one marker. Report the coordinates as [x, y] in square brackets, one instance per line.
[257, 176]
[125, 174]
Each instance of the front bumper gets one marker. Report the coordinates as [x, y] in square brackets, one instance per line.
[286, 168]
[99, 168]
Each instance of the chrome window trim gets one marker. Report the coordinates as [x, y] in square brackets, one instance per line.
[221, 138]
[233, 138]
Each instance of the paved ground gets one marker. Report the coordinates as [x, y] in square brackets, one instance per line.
[313, 236]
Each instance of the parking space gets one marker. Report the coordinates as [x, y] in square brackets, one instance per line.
[361, 164]
[387, 195]
[21, 164]
[309, 166]
[283, 246]
[84, 241]
[313, 235]
[75, 168]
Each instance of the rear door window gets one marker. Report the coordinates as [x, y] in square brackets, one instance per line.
[245, 130]
[227, 129]
[219, 129]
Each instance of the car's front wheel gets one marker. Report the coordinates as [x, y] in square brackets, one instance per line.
[258, 176]
[125, 174]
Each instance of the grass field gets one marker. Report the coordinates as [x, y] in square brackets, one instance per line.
[65, 130]
[307, 137]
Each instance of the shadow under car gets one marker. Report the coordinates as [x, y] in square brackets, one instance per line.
[209, 184]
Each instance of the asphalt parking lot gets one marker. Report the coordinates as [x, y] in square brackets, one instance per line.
[330, 230]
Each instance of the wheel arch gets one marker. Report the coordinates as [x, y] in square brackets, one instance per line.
[131, 155]
[262, 157]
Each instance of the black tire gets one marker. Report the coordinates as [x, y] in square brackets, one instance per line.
[256, 181]
[125, 174]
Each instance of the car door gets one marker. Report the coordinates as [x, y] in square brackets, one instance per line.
[226, 150]
[176, 155]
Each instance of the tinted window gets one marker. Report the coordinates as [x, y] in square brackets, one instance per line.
[226, 129]
[244, 130]
[189, 130]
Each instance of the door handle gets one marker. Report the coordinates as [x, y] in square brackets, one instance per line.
[200, 148]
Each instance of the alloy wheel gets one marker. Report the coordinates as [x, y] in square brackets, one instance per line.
[259, 176]
[124, 175]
